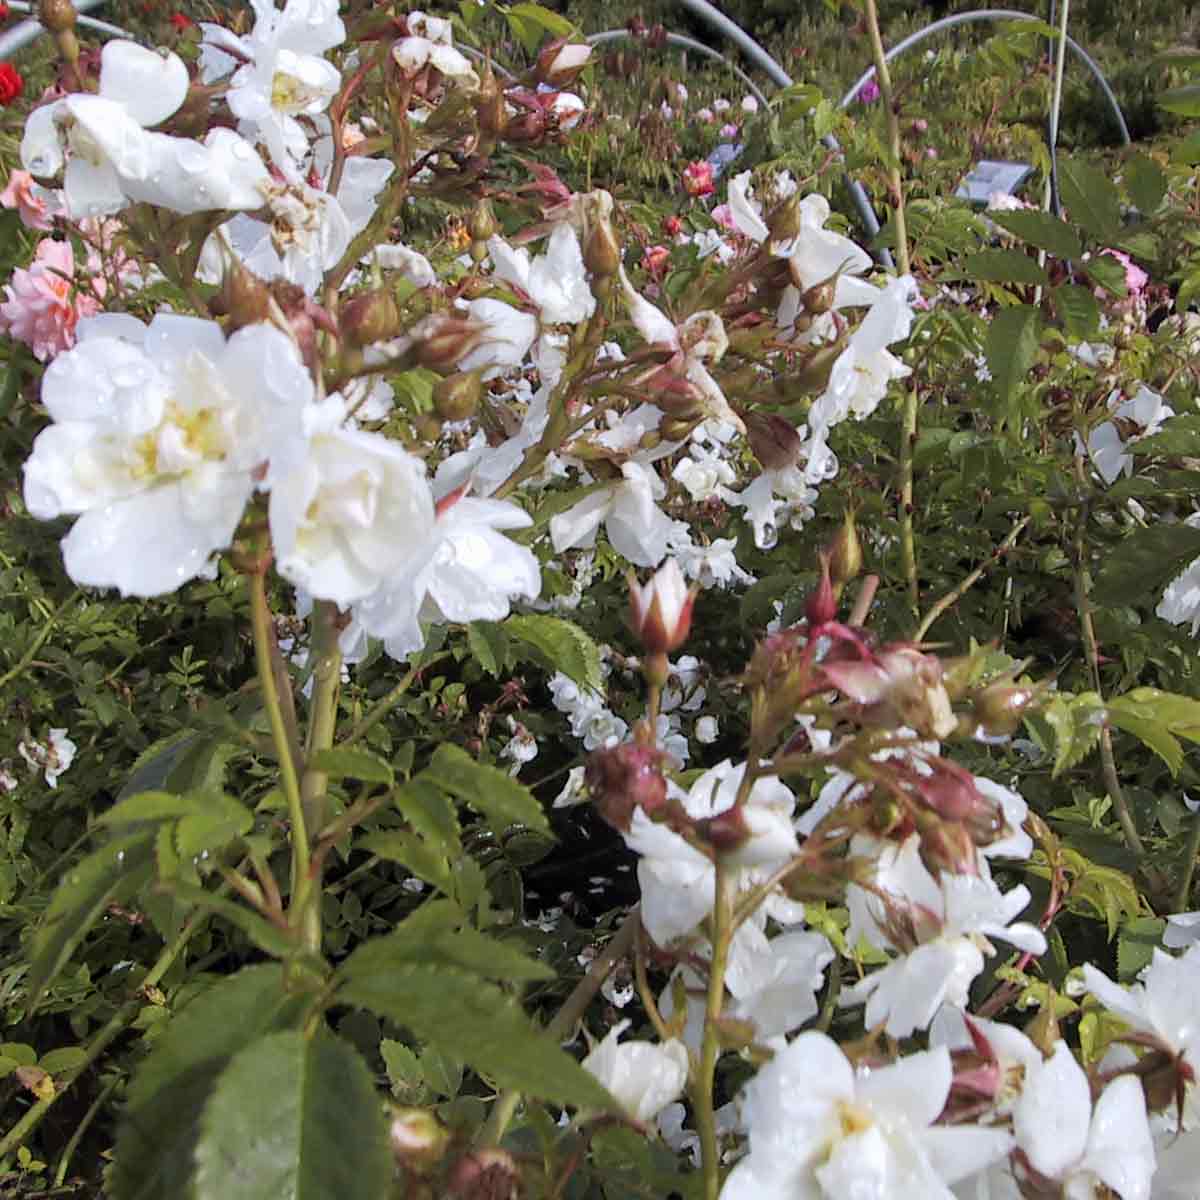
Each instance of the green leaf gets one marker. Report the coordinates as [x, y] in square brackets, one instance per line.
[160, 1122]
[154, 764]
[1004, 266]
[1183, 100]
[1142, 563]
[146, 807]
[561, 645]
[297, 1117]
[489, 791]
[477, 1023]
[1178, 437]
[1078, 310]
[1011, 346]
[1043, 230]
[345, 762]
[430, 813]
[1076, 721]
[420, 942]
[1153, 734]
[489, 645]
[412, 853]
[115, 871]
[1136, 945]
[66, 1058]
[216, 820]
[267, 937]
[1146, 183]
[1090, 198]
[1107, 271]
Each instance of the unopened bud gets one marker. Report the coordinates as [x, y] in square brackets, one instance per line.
[58, 16]
[527, 126]
[560, 62]
[675, 394]
[813, 376]
[243, 298]
[298, 309]
[484, 1175]
[369, 317]
[439, 341]
[819, 298]
[481, 221]
[946, 846]
[624, 778]
[784, 221]
[660, 611]
[774, 439]
[821, 606]
[602, 254]
[845, 553]
[418, 1139]
[490, 108]
[1001, 708]
[457, 396]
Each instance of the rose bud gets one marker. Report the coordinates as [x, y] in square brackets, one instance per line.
[655, 259]
[457, 396]
[947, 846]
[784, 220]
[819, 298]
[418, 1139]
[58, 16]
[774, 440]
[602, 252]
[672, 226]
[624, 778]
[490, 109]
[484, 1175]
[1001, 707]
[440, 341]
[845, 554]
[660, 611]
[481, 221]
[243, 298]
[560, 62]
[821, 606]
[369, 317]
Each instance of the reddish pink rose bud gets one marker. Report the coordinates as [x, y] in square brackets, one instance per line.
[439, 342]
[672, 226]
[660, 611]
[624, 778]
[698, 179]
[821, 607]
[369, 317]
[655, 259]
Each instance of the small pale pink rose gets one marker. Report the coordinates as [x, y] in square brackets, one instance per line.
[43, 308]
[1135, 278]
[706, 115]
[729, 131]
[698, 179]
[723, 215]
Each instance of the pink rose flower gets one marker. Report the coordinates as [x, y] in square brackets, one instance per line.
[723, 215]
[655, 259]
[22, 194]
[41, 310]
[698, 179]
[729, 132]
[869, 92]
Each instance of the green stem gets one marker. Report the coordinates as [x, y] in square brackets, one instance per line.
[94, 1108]
[260, 620]
[38, 642]
[109, 1032]
[703, 1085]
[563, 1021]
[382, 707]
[1183, 892]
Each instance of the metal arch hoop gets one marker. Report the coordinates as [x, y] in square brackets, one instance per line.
[21, 35]
[993, 14]
[684, 43]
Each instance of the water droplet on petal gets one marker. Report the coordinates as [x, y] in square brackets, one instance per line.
[766, 537]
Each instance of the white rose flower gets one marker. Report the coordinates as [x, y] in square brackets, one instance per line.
[642, 1077]
[158, 432]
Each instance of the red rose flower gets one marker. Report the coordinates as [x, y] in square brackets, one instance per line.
[4, 13]
[11, 83]
[181, 21]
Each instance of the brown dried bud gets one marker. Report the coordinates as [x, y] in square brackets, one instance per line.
[774, 440]
[370, 317]
[624, 778]
[947, 846]
[784, 220]
[813, 376]
[440, 341]
[457, 396]
[528, 126]
[484, 1175]
[819, 298]
[490, 109]
[675, 394]
[602, 254]
[58, 16]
